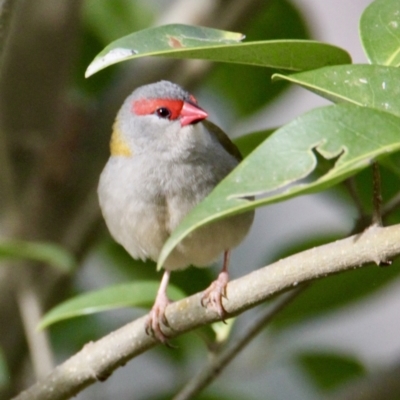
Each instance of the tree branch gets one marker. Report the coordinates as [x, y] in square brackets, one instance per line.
[97, 360]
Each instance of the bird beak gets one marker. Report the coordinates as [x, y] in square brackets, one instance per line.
[190, 114]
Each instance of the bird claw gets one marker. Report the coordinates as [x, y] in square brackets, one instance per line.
[157, 319]
[213, 295]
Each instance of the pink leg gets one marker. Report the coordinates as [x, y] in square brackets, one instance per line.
[157, 313]
[212, 296]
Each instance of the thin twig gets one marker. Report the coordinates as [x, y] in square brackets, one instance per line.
[377, 195]
[31, 314]
[211, 371]
[98, 360]
[391, 205]
[364, 219]
[350, 185]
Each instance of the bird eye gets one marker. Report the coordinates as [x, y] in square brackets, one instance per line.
[163, 112]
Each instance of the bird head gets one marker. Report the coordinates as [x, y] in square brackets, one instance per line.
[158, 117]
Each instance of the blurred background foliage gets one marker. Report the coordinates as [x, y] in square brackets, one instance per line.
[54, 132]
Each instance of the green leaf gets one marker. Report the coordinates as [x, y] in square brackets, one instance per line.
[48, 253]
[354, 135]
[380, 32]
[185, 41]
[373, 86]
[167, 39]
[329, 370]
[137, 294]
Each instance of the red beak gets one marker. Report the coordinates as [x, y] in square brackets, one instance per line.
[190, 114]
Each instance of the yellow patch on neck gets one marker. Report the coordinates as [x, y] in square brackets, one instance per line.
[118, 147]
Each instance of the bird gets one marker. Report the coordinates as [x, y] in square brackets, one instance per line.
[166, 157]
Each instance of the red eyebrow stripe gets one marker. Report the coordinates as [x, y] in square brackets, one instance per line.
[149, 106]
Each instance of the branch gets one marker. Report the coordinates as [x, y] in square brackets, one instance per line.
[97, 360]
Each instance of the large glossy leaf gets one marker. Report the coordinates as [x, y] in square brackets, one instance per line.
[48, 253]
[380, 32]
[329, 370]
[354, 135]
[373, 86]
[184, 41]
[136, 294]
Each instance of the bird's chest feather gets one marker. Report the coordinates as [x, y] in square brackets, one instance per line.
[141, 196]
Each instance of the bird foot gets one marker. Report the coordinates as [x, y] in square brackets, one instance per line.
[213, 295]
[157, 319]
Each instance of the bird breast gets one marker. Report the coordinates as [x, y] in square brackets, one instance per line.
[144, 198]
